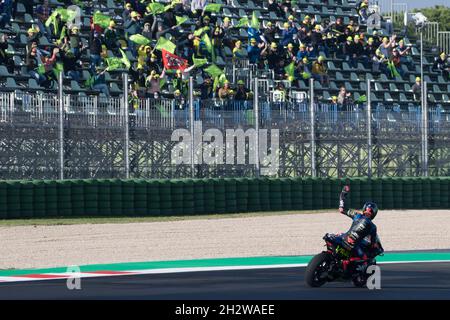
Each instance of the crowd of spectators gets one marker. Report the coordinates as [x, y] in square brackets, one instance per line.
[296, 49]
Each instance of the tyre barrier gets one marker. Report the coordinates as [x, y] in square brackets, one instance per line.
[116, 197]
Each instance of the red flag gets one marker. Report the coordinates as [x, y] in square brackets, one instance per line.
[173, 62]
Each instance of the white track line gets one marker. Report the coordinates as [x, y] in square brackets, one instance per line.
[67, 275]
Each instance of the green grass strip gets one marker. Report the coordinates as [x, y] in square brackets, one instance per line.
[225, 262]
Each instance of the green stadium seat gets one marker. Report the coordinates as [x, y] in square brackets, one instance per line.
[23, 39]
[86, 75]
[333, 86]
[317, 85]
[28, 18]
[20, 8]
[199, 79]
[227, 13]
[4, 73]
[348, 86]
[431, 98]
[44, 42]
[108, 77]
[405, 69]
[393, 87]
[339, 76]
[75, 86]
[243, 33]
[331, 66]
[363, 86]
[388, 97]
[251, 5]
[228, 52]
[383, 78]
[220, 61]
[345, 66]
[114, 88]
[373, 97]
[436, 89]
[11, 83]
[354, 77]
[302, 85]
[403, 98]
[32, 84]
[361, 68]
[378, 87]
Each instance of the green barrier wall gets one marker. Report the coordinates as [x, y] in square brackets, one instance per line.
[34, 199]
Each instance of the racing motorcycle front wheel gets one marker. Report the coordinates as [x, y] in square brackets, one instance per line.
[316, 273]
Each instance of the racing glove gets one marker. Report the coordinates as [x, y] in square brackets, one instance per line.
[342, 198]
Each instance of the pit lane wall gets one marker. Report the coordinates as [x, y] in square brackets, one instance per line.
[115, 197]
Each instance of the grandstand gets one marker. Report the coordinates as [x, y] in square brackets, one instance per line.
[365, 117]
[340, 71]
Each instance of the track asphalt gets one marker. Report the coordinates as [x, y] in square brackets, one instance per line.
[418, 280]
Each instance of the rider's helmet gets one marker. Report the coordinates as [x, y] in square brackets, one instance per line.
[370, 210]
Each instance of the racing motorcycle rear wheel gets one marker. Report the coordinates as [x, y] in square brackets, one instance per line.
[316, 273]
[359, 281]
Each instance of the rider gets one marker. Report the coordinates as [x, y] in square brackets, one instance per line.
[362, 234]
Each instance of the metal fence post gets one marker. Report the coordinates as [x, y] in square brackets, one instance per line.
[369, 129]
[256, 111]
[61, 126]
[425, 130]
[191, 123]
[313, 132]
[127, 125]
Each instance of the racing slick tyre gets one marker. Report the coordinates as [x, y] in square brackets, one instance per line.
[316, 273]
[359, 281]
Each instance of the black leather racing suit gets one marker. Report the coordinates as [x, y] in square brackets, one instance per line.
[362, 237]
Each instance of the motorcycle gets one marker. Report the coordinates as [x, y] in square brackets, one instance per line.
[340, 264]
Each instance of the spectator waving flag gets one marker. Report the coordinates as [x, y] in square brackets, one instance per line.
[114, 63]
[290, 70]
[214, 71]
[181, 20]
[139, 39]
[243, 22]
[209, 46]
[125, 59]
[101, 20]
[199, 62]
[255, 22]
[156, 8]
[165, 44]
[66, 15]
[391, 67]
[58, 68]
[213, 7]
[362, 99]
[199, 32]
[173, 62]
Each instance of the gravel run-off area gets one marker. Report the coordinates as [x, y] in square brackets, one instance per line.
[265, 235]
